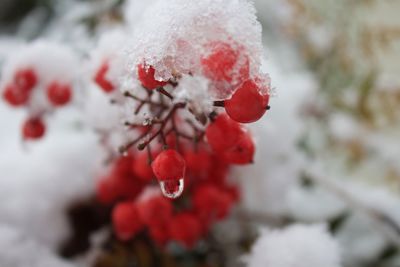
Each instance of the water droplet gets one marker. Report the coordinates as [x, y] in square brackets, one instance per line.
[172, 188]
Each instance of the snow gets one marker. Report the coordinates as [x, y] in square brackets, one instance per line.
[295, 246]
[20, 250]
[39, 180]
[266, 183]
[195, 91]
[175, 42]
[110, 49]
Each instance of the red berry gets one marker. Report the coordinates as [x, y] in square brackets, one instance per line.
[25, 79]
[146, 77]
[123, 166]
[159, 234]
[224, 63]
[101, 79]
[242, 152]
[59, 94]
[185, 229]
[106, 192]
[169, 165]
[33, 128]
[247, 104]
[155, 211]
[223, 133]
[14, 96]
[126, 221]
[211, 203]
[198, 161]
[127, 187]
[142, 167]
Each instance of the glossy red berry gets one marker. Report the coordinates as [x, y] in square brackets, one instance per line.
[185, 229]
[33, 128]
[247, 104]
[169, 165]
[26, 79]
[59, 94]
[101, 78]
[242, 152]
[223, 133]
[14, 96]
[146, 77]
[126, 221]
[224, 63]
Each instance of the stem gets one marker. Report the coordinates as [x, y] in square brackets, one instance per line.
[146, 101]
[219, 103]
[171, 113]
[164, 92]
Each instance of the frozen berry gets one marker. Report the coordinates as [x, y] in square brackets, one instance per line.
[146, 77]
[224, 63]
[59, 94]
[247, 104]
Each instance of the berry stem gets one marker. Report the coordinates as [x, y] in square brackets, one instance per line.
[219, 103]
[145, 101]
[170, 115]
[162, 91]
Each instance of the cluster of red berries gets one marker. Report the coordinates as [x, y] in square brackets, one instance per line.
[226, 64]
[201, 162]
[208, 198]
[19, 93]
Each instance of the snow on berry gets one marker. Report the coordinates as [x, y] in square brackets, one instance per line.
[218, 39]
[146, 77]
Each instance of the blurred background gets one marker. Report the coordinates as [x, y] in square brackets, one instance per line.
[328, 151]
